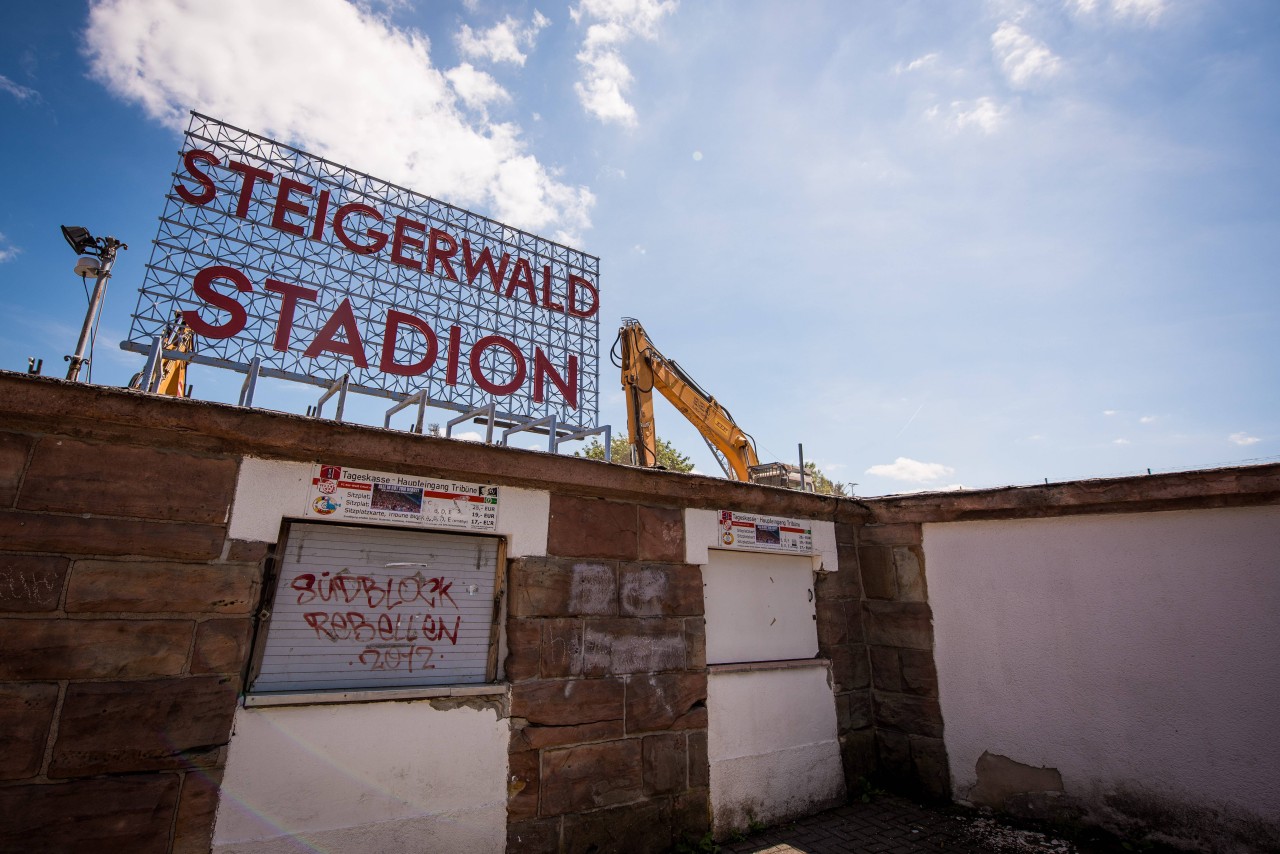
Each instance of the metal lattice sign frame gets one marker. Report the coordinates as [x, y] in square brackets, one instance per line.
[320, 272]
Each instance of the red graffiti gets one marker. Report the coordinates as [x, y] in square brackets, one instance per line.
[371, 592]
[398, 657]
[352, 625]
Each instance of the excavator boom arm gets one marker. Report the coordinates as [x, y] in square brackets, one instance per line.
[644, 369]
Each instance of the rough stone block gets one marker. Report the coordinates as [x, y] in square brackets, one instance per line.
[522, 785]
[575, 779]
[666, 764]
[95, 535]
[845, 582]
[699, 760]
[661, 534]
[39, 649]
[860, 712]
[929, 758]
[847, 533]
[70, 476]
[858, 753]
[853, 621]
[850, 668]
[919, 674]
[534, 737]
[643, 828]
[14, 450]
[149, 587]
[592, 527]
[904, 624]
[907, 713]
[197, 808]
[222, 646]
[695, 642]
[691, 816]
[878, 575]
[26, 711]
[247, 551]
[908, 566]
[893, 757]
[886, 670]
[568, 702]
[833, 625]
[524, 653]
[624, 645]
[659, 590]
[537, 836]
[546, 587]
[893, 534]
[115, 727]
[31, 583]
[666, 701]
[561, 648]
[128, 813]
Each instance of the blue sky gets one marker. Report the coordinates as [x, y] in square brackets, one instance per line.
[967, 243]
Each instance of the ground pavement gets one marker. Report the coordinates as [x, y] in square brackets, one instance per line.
[892, 825]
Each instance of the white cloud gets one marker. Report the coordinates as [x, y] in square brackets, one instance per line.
[913, 471]
[984, 115]
[7, 250]
[1147, 419]
[605, 76]
[503, 41]
[1120, 442]
[920, 62]
[22, 93]
[1108, 412]
[1023, 59]
[1146, 12]
[468, 436]
[476, 88]
[1243, 439]
[371, 99]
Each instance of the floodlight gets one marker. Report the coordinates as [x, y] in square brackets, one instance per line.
[79, 238]
[102, 254]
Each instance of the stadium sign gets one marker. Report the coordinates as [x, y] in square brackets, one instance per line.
[299, 268]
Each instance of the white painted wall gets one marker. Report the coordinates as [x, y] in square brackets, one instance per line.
[1120, 649]
[364, 778]
[772, 744]
[759, 607]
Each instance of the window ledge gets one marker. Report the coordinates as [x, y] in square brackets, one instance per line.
[754, 666]
[374, 695]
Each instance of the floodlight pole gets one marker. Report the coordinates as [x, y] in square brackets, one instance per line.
[108, 257]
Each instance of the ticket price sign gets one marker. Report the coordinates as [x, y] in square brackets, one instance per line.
[757, 533]
[342, 494]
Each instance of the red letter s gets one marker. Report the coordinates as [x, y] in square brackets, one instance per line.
[206, 195]
[203, 286]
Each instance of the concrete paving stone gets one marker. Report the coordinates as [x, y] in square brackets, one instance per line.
[887, 825]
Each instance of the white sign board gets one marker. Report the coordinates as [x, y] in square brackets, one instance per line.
[754, 532]
[341, 494]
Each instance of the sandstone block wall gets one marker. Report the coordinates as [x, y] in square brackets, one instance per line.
[607, 667]
[125, 623]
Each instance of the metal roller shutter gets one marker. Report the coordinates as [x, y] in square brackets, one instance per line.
[359, 608]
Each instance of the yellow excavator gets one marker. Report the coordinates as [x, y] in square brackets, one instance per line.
[645, 368]
[178, 337]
